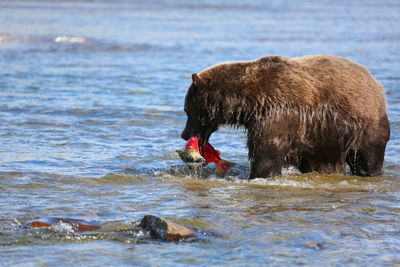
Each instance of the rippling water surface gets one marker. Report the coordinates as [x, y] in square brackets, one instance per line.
[91, 107]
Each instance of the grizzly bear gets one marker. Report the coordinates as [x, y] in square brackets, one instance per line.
[316, 113]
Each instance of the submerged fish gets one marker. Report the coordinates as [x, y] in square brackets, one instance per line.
[190, 155]
[77, 225]
[212, 155]
[195, 157]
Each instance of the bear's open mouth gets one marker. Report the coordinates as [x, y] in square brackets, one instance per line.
[203, 136]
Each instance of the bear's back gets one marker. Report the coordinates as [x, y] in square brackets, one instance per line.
[345, 83]
[309, 81]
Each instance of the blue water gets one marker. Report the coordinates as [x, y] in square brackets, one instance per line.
[89, 127]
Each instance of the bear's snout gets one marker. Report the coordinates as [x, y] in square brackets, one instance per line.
[191, 128]
[185, 135]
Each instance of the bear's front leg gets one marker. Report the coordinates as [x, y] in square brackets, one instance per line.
[265, 161]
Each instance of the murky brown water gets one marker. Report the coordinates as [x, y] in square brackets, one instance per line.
[89, 128]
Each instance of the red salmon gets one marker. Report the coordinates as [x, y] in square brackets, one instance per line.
[77, 225]
[195, 157]
[212, 155]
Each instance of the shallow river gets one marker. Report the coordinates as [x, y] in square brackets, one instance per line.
[91, 107]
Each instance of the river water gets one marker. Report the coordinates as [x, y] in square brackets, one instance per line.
[91, 107]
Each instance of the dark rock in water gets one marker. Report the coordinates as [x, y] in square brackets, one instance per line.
[165, 230]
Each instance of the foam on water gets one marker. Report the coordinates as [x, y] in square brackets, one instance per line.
[62, 227]
[313, 181]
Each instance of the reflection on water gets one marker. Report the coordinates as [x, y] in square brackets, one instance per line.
[91, 106]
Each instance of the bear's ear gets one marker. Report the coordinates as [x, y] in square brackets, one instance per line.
[197, 81]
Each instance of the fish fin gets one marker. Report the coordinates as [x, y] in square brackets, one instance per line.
[228, 164]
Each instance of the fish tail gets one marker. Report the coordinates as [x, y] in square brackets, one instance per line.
[223, 166]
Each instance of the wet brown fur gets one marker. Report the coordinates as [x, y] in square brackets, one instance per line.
[313, 112]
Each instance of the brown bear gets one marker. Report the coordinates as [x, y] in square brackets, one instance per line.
[314, 112]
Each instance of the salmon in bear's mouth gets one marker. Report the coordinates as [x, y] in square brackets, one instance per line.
[195, 156]
[190, 154]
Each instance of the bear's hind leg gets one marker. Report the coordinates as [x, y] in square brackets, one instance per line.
[367, 160]
[357, 163]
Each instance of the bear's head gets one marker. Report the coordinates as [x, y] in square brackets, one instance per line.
[201, 107]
